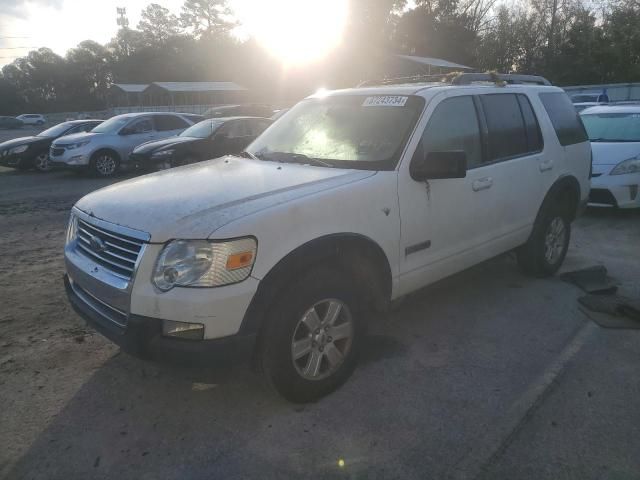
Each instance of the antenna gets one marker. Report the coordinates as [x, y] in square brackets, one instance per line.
[123, 21]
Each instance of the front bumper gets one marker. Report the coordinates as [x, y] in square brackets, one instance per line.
[69, 158]
[142, 337]
[622, 191]
[16, 160]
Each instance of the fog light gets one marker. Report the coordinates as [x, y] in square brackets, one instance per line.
[190, 331]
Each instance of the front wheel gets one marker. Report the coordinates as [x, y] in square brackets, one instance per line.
[545, 250]
[104, 164]
[311, 339]
[42, 162]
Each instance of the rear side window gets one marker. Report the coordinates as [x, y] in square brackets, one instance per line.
[169, 122]
[507, 133]
[534, 136]
[453, 126]
[564, 118]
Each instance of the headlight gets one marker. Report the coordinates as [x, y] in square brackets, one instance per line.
[20, 149]
[631, 165]
[163, 153]
[73, 146]
[72, 229]
[204, 263]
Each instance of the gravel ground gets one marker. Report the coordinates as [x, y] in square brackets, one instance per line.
[488, 374]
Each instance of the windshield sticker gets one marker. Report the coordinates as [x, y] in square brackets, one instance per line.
[385, 101]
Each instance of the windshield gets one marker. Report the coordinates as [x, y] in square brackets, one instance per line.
[113, 125]
[55, 131]
[202, 129]
[612, 127]
[367, 132]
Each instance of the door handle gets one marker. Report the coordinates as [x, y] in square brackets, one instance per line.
[546, 164]
[482, 184]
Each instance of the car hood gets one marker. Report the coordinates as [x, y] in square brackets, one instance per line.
[162, 144]
[612, 153]
[75, 138]
[16, 142]
[195, 200]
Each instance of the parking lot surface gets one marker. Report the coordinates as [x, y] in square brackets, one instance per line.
[488, 374]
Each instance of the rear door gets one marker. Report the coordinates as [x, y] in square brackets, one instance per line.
[169, 125]
[513, 153]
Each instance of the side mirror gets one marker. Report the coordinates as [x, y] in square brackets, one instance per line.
[126, 131]
[436, 165]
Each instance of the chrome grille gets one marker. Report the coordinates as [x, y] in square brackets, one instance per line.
[114, 251]
[56, 152]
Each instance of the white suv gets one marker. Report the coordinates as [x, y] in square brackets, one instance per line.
[32, 119]
[351, 199]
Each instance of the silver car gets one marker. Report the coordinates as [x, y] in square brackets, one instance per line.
[106, 148]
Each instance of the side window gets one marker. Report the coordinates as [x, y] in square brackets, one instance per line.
[234, 129]
[507, 135]
[534, 136]
[453, 126]
[564, 118]
[165, 123]
[143, 125]
[256, 127]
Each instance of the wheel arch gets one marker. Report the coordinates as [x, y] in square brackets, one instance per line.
[106, 149]
[565, 190]
[357, 255]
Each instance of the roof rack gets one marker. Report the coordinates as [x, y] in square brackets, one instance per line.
[462, 79]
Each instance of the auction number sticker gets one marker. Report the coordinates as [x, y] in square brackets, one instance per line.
[385, 101]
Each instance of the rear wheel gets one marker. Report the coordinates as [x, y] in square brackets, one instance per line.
[104, 163]
[41, 162]
[311, 339]
[545, 250]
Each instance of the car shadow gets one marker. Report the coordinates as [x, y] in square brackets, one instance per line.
[435, 371]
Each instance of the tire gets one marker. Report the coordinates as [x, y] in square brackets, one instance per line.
[547, 246]
[104, 163]
[291, 325]
[41, 162]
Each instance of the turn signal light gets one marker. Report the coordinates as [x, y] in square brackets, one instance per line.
[239, 260]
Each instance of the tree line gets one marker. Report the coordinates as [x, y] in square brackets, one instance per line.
[568, 41]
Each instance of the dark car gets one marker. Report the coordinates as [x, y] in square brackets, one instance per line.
[203, 141]
[33, 152]
[10, 122]
[247, 109]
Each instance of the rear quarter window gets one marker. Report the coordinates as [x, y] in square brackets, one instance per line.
[564, 118]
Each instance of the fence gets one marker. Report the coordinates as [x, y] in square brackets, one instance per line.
[617, 92]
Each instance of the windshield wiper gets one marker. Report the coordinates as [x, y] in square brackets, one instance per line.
[296, 158]
[245, 154]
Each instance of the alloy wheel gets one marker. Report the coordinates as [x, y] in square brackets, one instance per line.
[322, 339]
[554, 240]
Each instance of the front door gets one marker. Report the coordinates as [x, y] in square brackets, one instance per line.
[443, 219]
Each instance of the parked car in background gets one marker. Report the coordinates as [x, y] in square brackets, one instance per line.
[352, 199]
[195, 118]
[585, 100]
[32, 119]
[248, 109]
[203, 141]
[33, 152]
[614, 132]
[10, 123]
[107, 147]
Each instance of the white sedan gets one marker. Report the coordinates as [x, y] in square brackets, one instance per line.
[614, 132]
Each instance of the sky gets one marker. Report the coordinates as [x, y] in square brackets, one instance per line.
[62, 24]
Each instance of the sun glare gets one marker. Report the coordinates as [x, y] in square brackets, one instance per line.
[297, 31]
